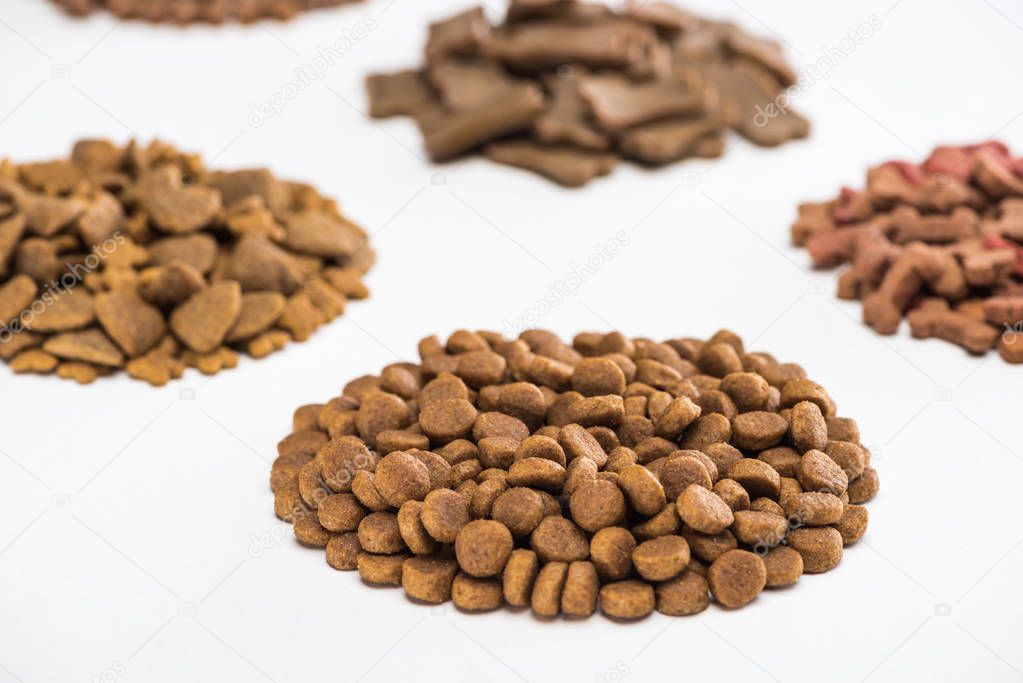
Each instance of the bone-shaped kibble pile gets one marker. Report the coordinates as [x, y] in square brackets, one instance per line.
[621, 471]
[141, 258]
[566, 88]
[189, 11]
[940, 243]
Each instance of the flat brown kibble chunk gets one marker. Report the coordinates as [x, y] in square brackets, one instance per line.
[529, 506]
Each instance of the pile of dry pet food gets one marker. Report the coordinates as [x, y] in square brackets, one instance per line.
[567, 88]
[189, 11]
[940, 243]
[621, 472]
[141, 258]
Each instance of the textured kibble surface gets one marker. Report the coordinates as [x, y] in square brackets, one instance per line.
[567, 89]
[189, 11]
[142, 259]
[610, 475]
[939, 243]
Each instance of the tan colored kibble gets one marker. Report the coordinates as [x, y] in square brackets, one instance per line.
[528, 486]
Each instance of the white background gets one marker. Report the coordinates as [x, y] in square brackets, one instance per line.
[138, 541]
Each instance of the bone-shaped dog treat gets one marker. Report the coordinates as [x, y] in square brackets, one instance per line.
[940, 270]
[883, 308]
[852, 206]
[868, 268]
[767, 52]
[404, 93]
[833, 248]
[461, 34]
[466, 84]
[663, 141]
[539, 45]
[910, 226]
[748, 93]
[506, 112]
[569, 166]
[994, 172]
[814, 219]
[985, 268]
[1004, 310]
[934, 319]
[618, 104]
[897, 183]
[567, 118]
[1010, 221]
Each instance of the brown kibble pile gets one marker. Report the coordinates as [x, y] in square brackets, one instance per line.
[566, 89]
[189, 11]
[142, 259]
[611, 473]
[939, 243]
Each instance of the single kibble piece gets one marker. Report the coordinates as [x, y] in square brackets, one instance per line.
[547, 589]
[686, 594]
[597, 504]
[611, 552]
[519, 575]
[736, 578]
[579, 595]
[428, 578]
[482, 547]
[444, 514]
[704, 510]
[820, 547]
[659, 559]
[784, 566]
[557, 539]
[475, 594]
[627, 599]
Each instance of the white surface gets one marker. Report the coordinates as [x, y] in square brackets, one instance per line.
[130, 514]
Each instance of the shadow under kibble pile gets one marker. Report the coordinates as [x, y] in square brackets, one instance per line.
[621, 472]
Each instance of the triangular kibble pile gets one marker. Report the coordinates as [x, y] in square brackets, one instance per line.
[141, 258]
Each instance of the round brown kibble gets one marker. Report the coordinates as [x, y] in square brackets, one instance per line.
[343, 551]
[598, 377]
[852, 524]
[759, 529]
[820, 547]
[709, 547]
[645, 493]
[401, 476]
[736, 578]
[597, 504]
[309, 531]
[809, 429]
[627, 599]
[380, 411]
[538, 473]
[679, 414]
[520, 509]
[410, 525]
[757, 477]
[519, 575]
[557, 539]
[864, 487]
[340, 512]
[818, 472]
[679, 471]
[784, 566]
[550, 581]
[428, 578]
[381, 569]
[611, 553]
[661, 558]
[444, 514]
[733, 494]
[851, 457]
[541, 447]
[704, 510]
[813, 509]
[579, 595]
[683, 595]
[758, 430]
[748, 390]
[379, 533]
[482, 547]
[475, 594]
[445, 420]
